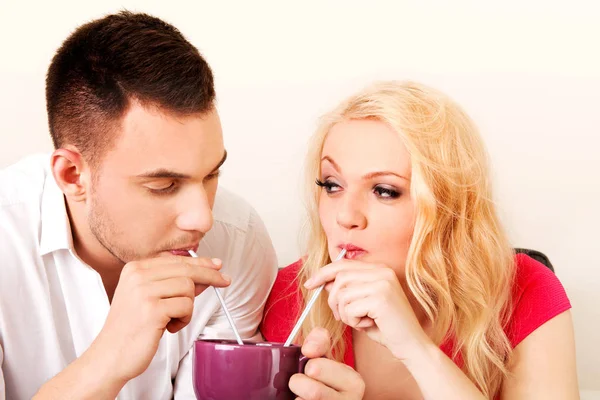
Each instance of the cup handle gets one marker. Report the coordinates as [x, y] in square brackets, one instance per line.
[302, 363]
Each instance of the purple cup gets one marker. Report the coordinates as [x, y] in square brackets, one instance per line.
[225, 370]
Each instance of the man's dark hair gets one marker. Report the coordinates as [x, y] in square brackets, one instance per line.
[105, 64]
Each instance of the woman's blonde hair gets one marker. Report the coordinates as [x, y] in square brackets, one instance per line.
[460, 265]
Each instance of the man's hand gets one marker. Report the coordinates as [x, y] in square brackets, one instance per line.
[152, 296]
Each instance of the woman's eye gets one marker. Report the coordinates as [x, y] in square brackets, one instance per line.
[386, 192]
[330, 186]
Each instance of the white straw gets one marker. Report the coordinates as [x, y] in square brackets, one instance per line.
[235, 331]
[311, 302]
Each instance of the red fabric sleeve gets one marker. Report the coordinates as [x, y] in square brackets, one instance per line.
[281, 309]
[538, 297]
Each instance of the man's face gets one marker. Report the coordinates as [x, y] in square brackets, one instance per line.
[153, 191]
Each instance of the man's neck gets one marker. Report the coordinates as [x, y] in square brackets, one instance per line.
[91, 251]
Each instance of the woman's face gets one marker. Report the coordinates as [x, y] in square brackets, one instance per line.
[365, 204]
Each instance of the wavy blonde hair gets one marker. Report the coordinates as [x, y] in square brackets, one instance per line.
[460, 265]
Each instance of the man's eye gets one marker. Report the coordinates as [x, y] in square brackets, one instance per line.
[164, 189]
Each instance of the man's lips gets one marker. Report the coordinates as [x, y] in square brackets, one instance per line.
[183, 251]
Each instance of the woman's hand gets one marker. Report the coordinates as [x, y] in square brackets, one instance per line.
[369, 297]
[325, 379]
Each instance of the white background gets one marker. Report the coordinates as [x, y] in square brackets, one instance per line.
[527, 72]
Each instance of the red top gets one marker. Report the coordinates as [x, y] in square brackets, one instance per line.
[537, 294]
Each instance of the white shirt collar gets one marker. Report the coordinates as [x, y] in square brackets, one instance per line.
[55, 233]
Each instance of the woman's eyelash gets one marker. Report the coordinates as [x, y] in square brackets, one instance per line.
[386, 192]
[383, 192]
[328, 185]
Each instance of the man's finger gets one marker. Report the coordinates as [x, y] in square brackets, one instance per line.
[175, 325]
[199, 274]
[173, 287]
[214, 263]
[179, 310]
[209, 277]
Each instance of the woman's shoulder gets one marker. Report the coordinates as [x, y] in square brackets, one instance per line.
[537, 296]
[286, 282]
[282, 304]
[289, 274]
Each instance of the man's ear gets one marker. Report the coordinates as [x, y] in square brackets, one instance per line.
[71, 172]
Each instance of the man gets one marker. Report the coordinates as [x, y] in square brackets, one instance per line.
[94, 239]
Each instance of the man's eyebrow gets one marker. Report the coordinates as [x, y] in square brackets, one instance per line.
[220, 164]
[163, 173]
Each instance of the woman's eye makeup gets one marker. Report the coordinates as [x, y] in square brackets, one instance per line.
[382, 191]
[386, 191]
[329, 185]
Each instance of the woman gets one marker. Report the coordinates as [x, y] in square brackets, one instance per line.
[430, 300]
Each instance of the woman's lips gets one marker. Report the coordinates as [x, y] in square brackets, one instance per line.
[352, 251]
[354, 254]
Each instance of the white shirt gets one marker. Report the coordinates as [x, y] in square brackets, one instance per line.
[52, 305]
